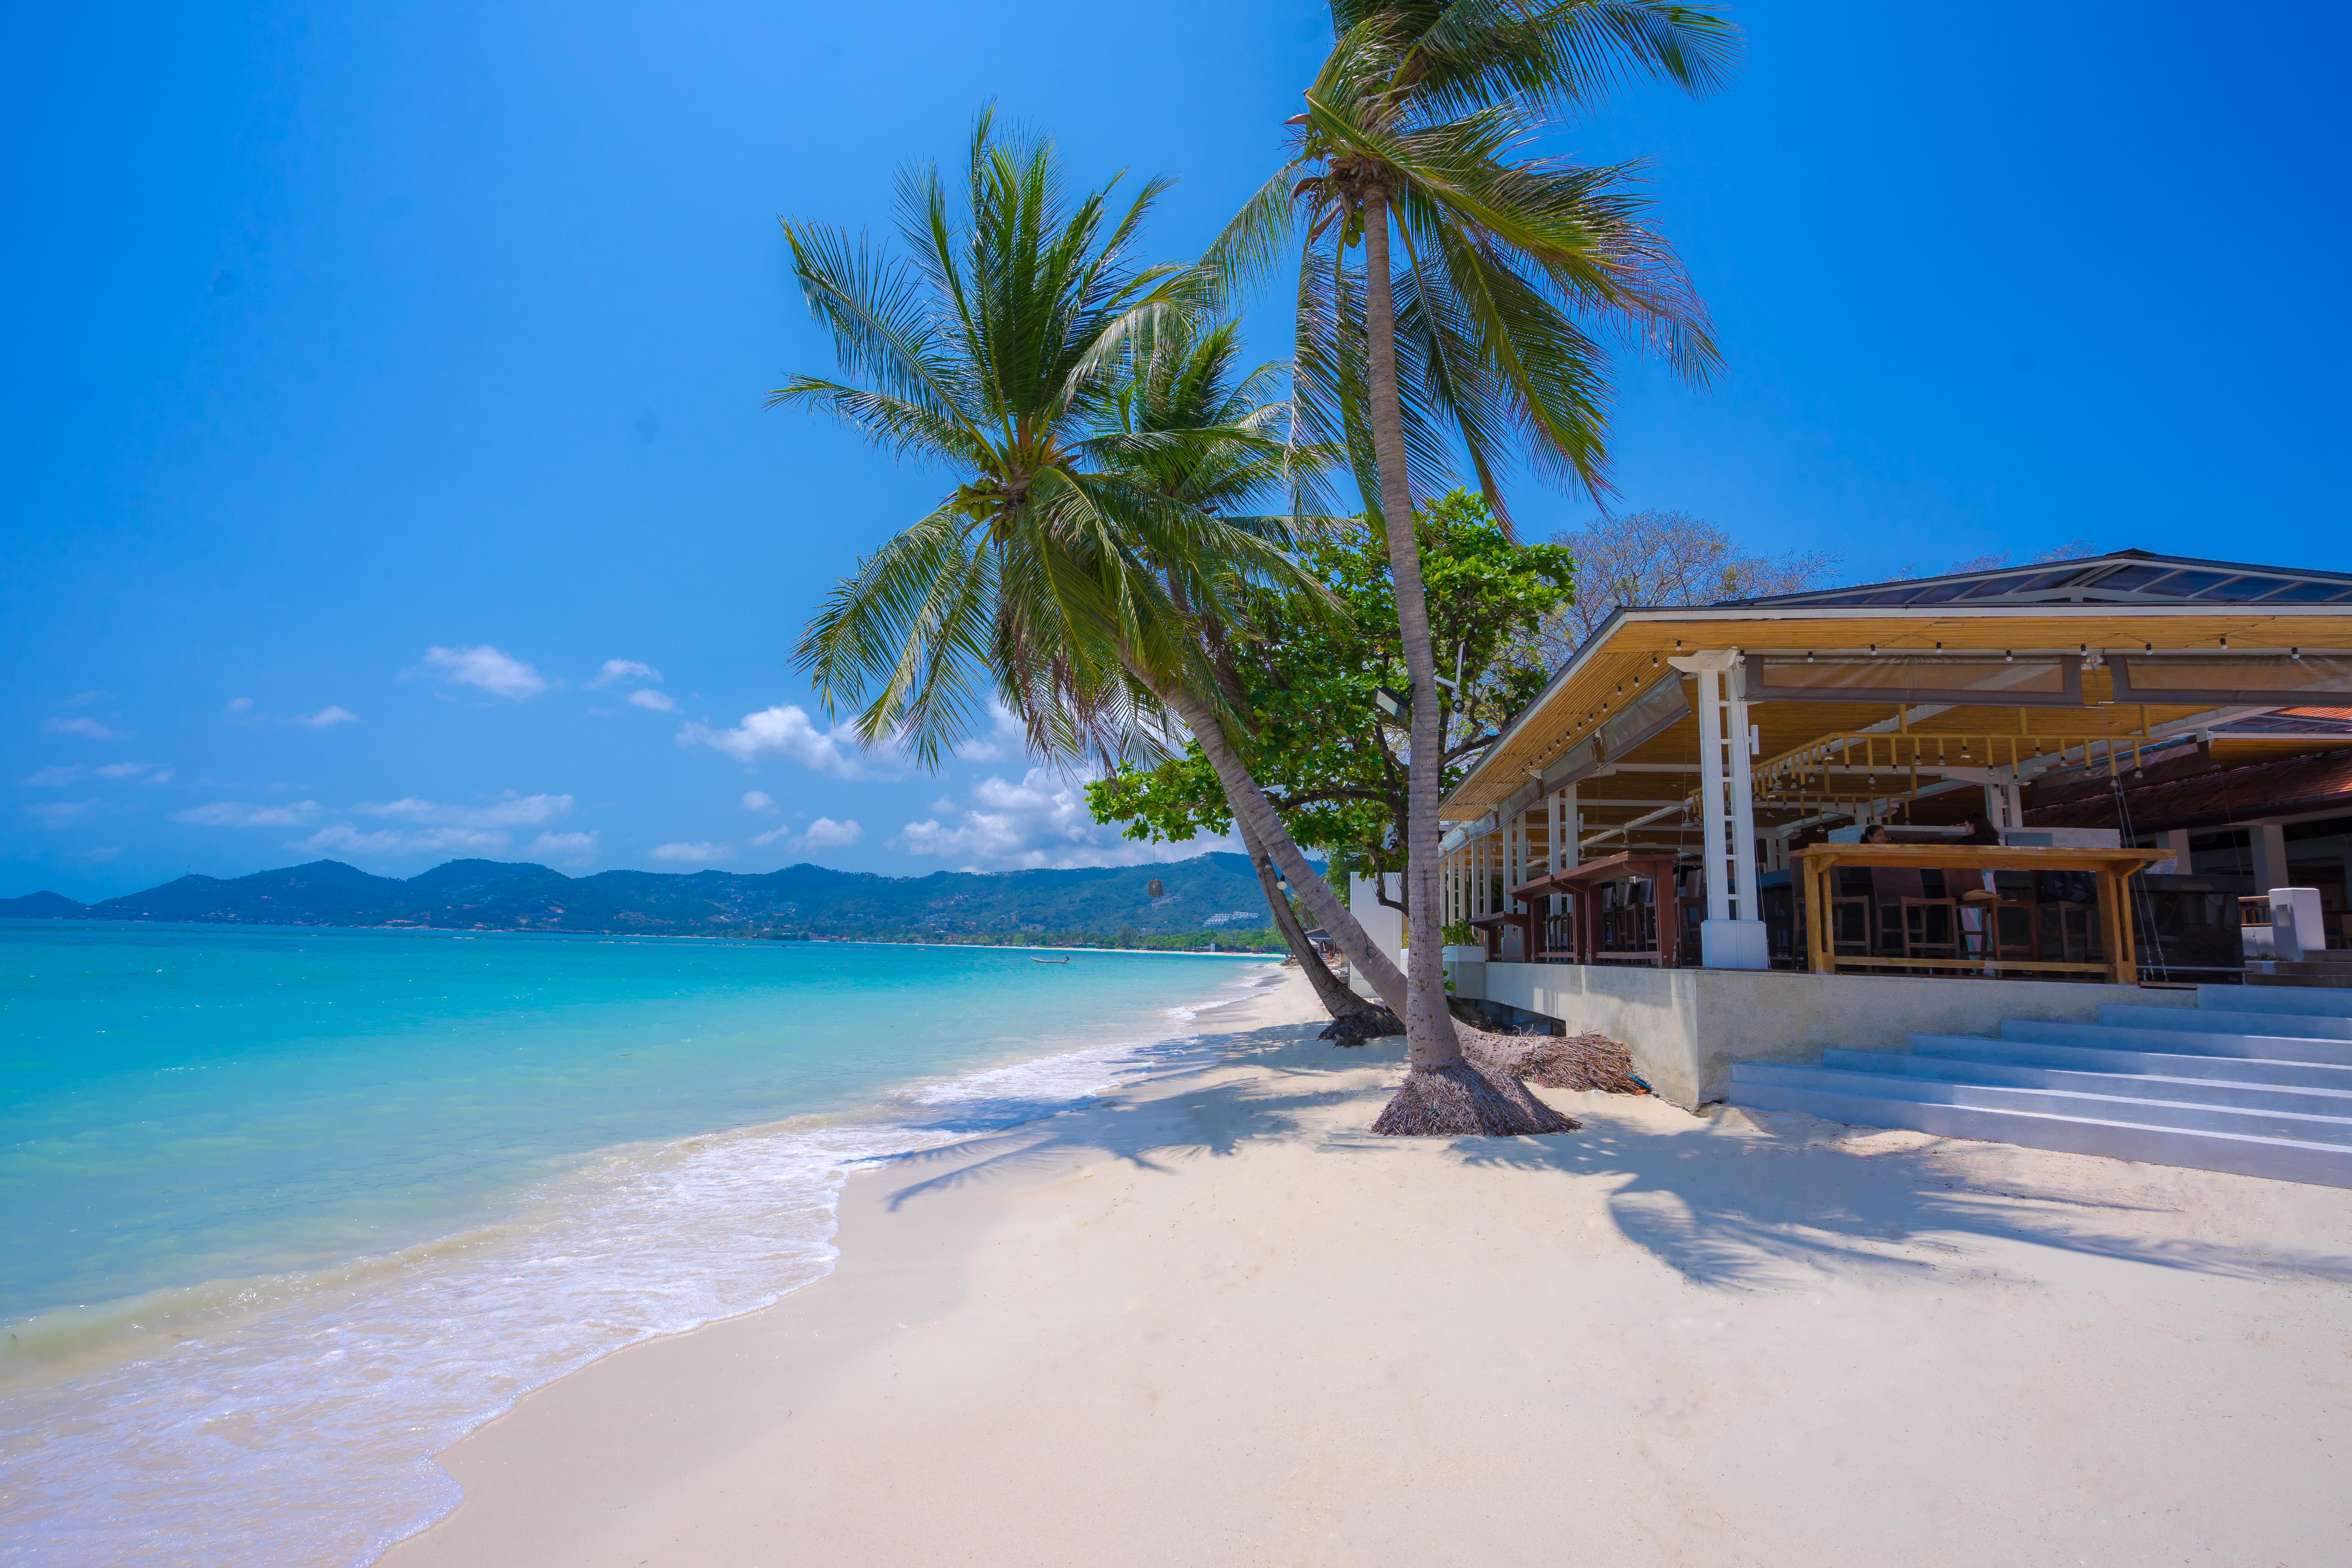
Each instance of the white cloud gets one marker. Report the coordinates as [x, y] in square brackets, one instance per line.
[58, 813]
[563, 847]
[139, 773]
[648, 698]
[510, 810]
[485, 669]
[785, 731]
[343, 837]
[243, 711]
[103, 852]
[1040, 822]
[58, 778]
[623, 670]
[88, 728]
[825, 833]
[243, 813]
[1005, 741]
[753, 799]
[697, 854]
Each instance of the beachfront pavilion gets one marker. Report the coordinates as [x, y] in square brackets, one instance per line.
[1661, 846]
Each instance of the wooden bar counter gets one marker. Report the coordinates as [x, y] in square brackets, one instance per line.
[2112, 867]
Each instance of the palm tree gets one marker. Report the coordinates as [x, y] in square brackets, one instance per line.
[1418, 122]
[1072, 571]
[1183, 378]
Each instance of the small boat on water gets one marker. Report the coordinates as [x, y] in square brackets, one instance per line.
[1049, 960]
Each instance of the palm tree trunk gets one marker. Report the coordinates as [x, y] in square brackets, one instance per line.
[1336, 999]
[1430, 1039]
[1255, 816]
[1443, 1094]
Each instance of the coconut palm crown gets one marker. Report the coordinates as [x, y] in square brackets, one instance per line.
[1058, 575]
[1517, 276]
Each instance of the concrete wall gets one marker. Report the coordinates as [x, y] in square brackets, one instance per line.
[1686, 1026]
[1384, 925]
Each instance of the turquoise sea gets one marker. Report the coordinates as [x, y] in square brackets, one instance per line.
[291, 1210]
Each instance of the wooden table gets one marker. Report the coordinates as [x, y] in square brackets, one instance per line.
[2110, 866]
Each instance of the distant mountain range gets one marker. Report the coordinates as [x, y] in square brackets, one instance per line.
[1214, 897]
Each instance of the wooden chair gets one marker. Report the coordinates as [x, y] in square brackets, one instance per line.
[2067, 933]
[1930, 929]
[1849, 927]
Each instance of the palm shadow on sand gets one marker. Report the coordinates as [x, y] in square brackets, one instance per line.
[1760, 1210]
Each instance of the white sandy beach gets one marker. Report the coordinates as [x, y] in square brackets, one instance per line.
[1211, 1320]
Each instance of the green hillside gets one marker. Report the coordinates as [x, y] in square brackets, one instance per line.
[1214, 898]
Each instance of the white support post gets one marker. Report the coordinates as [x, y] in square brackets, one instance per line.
[2268, 841]
[2005, 800]
[1731, 937]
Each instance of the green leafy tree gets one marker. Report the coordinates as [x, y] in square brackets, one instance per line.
[1318, 744]
[1479, 330]
[1076, 572]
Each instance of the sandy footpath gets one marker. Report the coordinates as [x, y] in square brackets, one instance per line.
[1211, 1320]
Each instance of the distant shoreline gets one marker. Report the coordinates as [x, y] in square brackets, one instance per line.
[1262, 956]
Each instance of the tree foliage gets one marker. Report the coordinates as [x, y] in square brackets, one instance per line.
[1315, 739]
[1661, 557]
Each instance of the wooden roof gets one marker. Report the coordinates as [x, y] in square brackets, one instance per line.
[1628, 656]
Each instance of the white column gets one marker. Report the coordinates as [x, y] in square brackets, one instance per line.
[2268, 840]
[1731, 937]
[1746, 906]
[1712, 827]
[2176, 840]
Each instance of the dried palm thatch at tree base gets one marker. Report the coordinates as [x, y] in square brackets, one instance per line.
[1356, 1029]
[1578, 1061]
[1466, 1099]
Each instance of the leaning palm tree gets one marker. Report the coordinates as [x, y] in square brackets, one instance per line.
[1487, 334]
[1071, 569]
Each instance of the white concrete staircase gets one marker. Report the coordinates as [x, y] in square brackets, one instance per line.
[2253, 1081]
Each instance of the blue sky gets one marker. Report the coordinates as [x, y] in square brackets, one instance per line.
[386, 475]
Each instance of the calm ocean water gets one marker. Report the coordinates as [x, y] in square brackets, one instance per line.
[290, 1210]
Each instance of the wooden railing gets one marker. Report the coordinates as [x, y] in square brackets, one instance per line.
[1817, 873]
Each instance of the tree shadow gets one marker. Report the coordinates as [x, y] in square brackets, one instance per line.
[1770, 1209]
[1734, 1211]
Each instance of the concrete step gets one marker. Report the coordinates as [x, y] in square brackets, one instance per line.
[2209, 1020]
[2251, 1092]
[2078, 1058]
[2280, 1159]
[2187, 1115]
[2273, 999]
[2314, 978]
[2181, 1042]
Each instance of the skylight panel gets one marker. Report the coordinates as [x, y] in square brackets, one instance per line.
[2181, 585]
[1990, 586]
[2131, 578]
[2239, 588]
[2308, 593]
